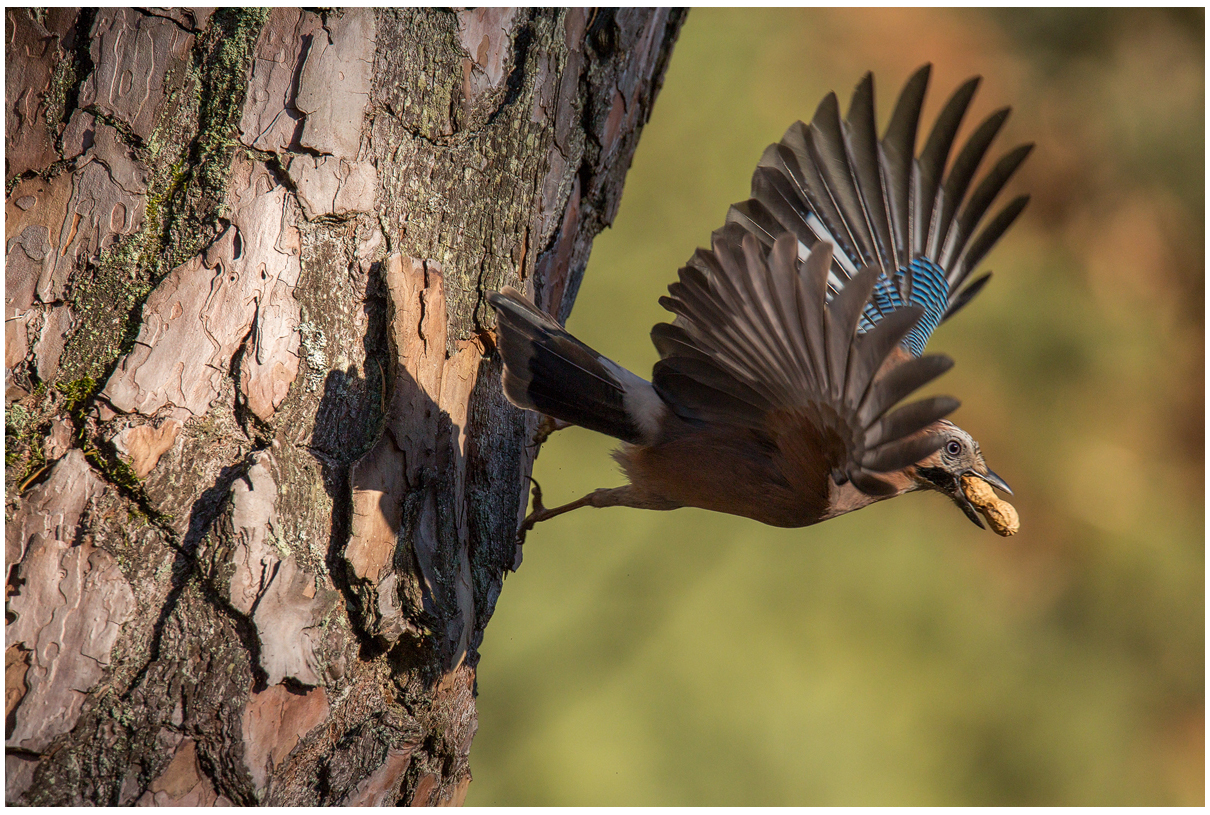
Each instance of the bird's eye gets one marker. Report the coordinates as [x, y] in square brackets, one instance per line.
[953, 448]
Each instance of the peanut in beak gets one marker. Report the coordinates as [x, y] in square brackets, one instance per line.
[1001, 515]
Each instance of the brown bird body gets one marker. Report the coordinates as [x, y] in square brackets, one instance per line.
[796, 334]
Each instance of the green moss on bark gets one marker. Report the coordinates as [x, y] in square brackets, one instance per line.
[194, 203]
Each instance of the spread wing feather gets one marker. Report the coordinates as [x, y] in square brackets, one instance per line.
[883, 205]
[931, 163]
[888, 389]
[755, 335]
[897, 153]
[861, 141]
[960, 176]
[977, 206]
[991, 233]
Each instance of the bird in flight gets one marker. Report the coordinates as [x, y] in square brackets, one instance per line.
[798, 332]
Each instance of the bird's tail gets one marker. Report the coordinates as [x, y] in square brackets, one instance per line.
[548, 370]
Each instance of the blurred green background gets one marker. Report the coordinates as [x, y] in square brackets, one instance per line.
[900, 655]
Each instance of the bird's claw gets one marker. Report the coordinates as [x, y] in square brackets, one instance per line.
[537, 493]
[546, 427]
[538, 513]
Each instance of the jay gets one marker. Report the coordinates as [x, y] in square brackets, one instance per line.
[798, 332]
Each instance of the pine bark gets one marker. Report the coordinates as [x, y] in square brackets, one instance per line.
[261, 483]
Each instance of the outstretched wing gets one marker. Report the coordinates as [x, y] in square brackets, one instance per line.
[880, 204]
[757, 343]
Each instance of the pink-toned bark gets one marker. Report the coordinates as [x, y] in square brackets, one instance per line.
[267, 485]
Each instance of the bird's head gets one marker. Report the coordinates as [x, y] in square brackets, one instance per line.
[958, 456]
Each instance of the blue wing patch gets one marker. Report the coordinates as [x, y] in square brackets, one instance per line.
[929, 290]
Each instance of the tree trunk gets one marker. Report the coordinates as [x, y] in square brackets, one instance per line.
[261, 483]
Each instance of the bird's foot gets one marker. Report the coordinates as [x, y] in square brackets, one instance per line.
[547, 426]
[597, 498]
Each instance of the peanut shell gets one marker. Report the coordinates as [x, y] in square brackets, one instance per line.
[1001, 515]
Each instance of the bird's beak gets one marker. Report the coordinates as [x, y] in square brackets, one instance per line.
[996, 481]
[964, 504]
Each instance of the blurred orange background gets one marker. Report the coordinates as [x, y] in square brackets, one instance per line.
[900, 655]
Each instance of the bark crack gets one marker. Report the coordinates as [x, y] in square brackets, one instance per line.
[147, 12]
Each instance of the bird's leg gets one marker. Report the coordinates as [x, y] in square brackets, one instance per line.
[618, 496]
[547, 426]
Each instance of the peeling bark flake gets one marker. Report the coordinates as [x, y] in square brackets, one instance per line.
[197, 317]
[283, 600]
[334, 86]
[484, 33]
[182, 783]
[72, 602]
[333, 186]
[132, 52]
[427, 416]
[31, 54]
[274, 722]
[381, 788]
[271, 121]
[142, 445]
